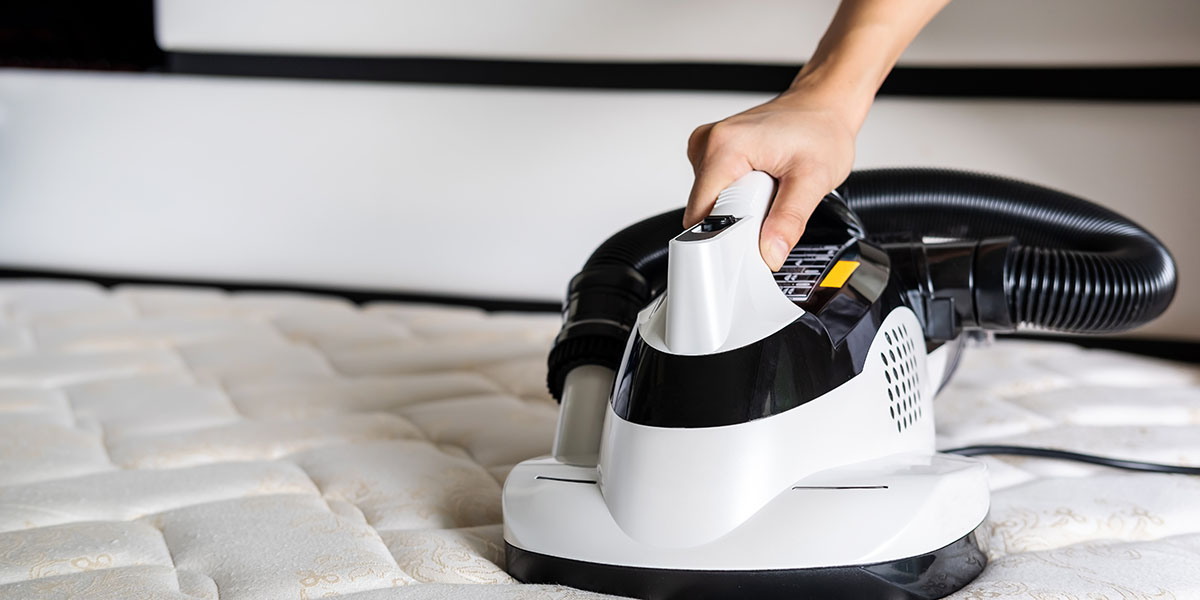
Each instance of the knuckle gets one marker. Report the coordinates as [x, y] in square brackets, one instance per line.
[695, 148]
[808, 172]
[794, 210]
[792, 215]
[814, 177]
[721, 134]
[698, 143]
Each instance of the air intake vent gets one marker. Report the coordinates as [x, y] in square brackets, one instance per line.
[900, 373]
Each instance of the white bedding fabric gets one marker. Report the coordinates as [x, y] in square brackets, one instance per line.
[186, 443]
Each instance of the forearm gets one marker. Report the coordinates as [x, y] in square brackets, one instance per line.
[859, 49]
[805, 137]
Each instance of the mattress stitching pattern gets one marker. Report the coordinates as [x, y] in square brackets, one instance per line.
[189, 443]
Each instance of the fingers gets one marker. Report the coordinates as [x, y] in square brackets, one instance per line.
[716, 167]
[795, 201]
[697, 143]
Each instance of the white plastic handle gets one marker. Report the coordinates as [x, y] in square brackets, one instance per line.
[720, 293]
[748, 197]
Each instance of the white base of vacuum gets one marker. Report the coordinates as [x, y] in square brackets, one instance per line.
[900, 514]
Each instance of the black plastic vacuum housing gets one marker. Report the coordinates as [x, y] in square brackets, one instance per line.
[973, 251]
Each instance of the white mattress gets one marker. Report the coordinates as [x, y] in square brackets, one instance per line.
[184, 443]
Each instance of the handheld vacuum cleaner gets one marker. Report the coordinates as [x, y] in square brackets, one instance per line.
[729, 431]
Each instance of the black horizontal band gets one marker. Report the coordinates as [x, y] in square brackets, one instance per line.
[1164, 83]
[353, 294]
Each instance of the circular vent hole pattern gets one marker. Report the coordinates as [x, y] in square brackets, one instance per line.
[900, 374]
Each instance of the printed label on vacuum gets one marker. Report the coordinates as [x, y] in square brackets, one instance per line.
[803, 269]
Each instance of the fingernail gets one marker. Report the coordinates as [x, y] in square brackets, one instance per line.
[775, 253]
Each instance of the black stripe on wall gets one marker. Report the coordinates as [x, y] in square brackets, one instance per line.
[79, 34]
[356, 295]
[1175, 83]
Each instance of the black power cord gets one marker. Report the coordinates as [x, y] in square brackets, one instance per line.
[1116, 463]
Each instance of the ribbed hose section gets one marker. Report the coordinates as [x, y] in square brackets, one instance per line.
[603, 300]
[1077, 267]
[642, 246]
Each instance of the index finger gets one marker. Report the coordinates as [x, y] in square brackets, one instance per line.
[713, 175]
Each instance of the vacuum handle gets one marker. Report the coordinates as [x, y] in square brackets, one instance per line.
[749, 197]
[714, 268]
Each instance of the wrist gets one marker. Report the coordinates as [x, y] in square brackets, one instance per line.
[832, 97]
[846, 71]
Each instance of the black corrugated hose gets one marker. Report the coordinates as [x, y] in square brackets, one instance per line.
[1075, 266]
[603, 300]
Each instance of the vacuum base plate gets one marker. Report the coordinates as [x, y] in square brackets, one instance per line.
[925, 577]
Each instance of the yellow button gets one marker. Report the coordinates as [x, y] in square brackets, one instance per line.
[840, 273]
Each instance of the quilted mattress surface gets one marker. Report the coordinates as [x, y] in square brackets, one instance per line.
[160, 442]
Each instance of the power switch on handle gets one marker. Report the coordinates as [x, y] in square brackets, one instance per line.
[716, 223]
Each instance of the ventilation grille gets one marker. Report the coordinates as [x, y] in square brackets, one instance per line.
[900, 373]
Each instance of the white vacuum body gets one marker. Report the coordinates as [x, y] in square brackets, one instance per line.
[765, 435]
[728, 432]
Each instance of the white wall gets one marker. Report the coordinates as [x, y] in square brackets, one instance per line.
[476, 191]
[967, 32]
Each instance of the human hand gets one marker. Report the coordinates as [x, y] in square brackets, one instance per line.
[802, 139]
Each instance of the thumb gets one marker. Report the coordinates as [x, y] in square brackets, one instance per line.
[795, 201]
